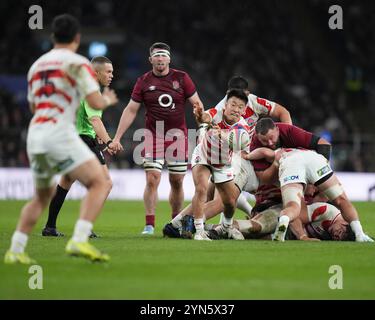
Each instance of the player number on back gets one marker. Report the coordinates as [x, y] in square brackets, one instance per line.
[166, 101]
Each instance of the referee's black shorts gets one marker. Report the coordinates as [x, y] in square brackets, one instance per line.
[94, 147]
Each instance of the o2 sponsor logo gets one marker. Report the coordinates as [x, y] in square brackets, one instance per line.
[291, 178]
[166, 101]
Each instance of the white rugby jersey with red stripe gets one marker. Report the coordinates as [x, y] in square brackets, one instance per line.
[255, 108]
[216, 151]
[57, 82]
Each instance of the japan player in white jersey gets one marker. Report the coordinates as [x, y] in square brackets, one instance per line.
[213, 156]
[244, 173]
[57, 82]
[321, 221]
[256, 107]
[297, 168]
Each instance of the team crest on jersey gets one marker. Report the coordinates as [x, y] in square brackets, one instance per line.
[151, 88]
[197, 159]
[175, 85]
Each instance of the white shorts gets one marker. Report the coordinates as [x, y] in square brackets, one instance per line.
[303, 167]
[218, 175]
[55, 153]
[174, 167]
[236, 162]
[246, 179]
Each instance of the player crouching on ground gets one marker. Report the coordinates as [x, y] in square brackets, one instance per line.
[297, 168]
[321, 221]
[213, 157]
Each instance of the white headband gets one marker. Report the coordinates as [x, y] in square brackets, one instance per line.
[161, 52]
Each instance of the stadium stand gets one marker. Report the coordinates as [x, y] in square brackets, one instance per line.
[286, 50]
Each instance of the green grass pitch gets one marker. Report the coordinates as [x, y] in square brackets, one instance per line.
[157, 268]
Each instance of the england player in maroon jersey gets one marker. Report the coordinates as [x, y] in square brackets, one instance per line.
[298, 167]
[164, 92]
[276, 135]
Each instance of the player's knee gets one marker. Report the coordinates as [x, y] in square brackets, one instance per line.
[66, 182]
[109, 184]
[201, 191]
[98, 181]
[153, 180]
[176, 182]
[43, 198]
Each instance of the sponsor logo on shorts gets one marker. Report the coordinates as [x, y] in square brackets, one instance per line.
[291, 178]
[151, 88]
[323, 170]
[229, 175]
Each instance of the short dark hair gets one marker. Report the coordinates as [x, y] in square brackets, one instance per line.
[350, 235]
[160, 45]
[238, 94]
[238, 82]
[64, 28]
[264, 125]
[101, 60]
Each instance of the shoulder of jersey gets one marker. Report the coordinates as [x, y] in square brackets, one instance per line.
[179, 72]
[73, 56]
[251, 99]
[145, 75]
[65, 56]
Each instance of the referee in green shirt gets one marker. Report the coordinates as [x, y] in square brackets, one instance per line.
[90, 128]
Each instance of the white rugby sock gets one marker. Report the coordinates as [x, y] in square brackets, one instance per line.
[199, 225]
[243, 204]
[221, 218]
[284, 220]
[82, 230]
[176, 221]
[19, 241]
[227, 222]
[356, 227]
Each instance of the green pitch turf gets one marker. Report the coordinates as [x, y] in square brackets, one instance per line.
[150, 267]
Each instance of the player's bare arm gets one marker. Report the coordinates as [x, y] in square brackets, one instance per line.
[101, 101]
[99, 128]
[296, 227]
[194, 99]
[269, 175]
[259, 154]
[282, 114]
[102, 134]
[200, 115]
[198, 108]
[127, 118]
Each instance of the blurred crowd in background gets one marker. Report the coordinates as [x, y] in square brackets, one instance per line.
[286, 50]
